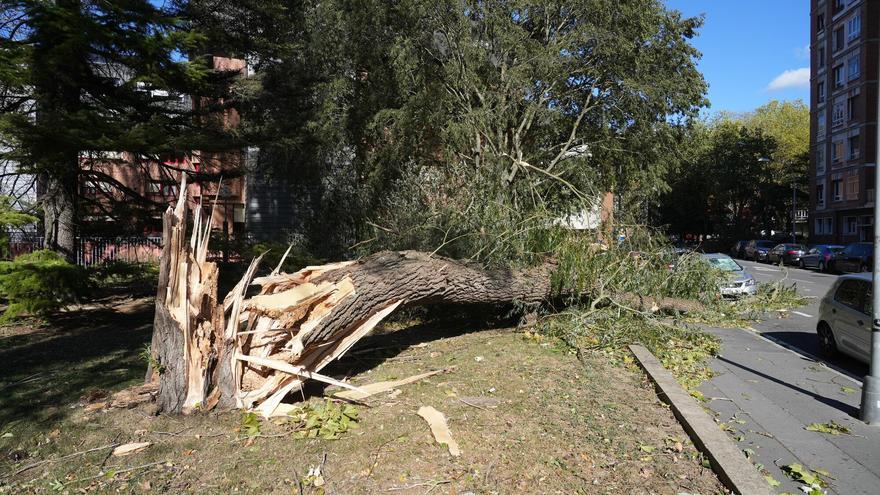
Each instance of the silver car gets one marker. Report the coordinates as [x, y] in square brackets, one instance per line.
[739, 282]
[845, 318]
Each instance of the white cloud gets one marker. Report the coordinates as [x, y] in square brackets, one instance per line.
[802, 53]
[795, 78]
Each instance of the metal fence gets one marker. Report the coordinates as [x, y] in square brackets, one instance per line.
[93, 250]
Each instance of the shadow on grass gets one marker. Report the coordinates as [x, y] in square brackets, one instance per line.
[373, 350]
[45, 371]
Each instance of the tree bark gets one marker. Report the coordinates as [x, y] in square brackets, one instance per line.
[58, 199]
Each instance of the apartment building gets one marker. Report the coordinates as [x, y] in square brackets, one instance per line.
[843, 118]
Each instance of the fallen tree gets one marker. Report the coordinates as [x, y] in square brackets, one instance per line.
[252, 352]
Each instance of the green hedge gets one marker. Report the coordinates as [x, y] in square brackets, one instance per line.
[39, 283]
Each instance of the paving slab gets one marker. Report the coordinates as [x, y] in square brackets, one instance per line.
[766, 395]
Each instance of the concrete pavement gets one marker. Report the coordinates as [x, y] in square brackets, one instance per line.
[770, 385]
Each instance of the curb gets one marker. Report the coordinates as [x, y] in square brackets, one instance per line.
[728, 462]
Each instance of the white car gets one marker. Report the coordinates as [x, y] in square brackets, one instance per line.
[845, 317]
[738, 281]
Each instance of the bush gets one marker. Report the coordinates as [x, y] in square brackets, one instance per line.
[124, 273]
[39, 283]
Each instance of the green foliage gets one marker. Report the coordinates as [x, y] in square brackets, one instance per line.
[39, 283]
[737, 171]
[810, 477]
[124, 273]
[832, 428]
[106, 77]
[250, 424]
[328, 420]
[148, 357]
[641, 265]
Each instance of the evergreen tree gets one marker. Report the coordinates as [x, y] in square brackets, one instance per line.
[82, 77]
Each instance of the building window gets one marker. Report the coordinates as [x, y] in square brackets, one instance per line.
[820, 159]
[851, 225]
[836, 151]
[853, 68]
[820, 92]
[853, 145]
[154, 187]
[837, 41]
[820, 195]
[820, 23]
[854, 27]
[852, 187]
[820, 125]
[820, 54]
[825, 225]
[836, 190]
[837, 73]
[851, 106]
[838, 112]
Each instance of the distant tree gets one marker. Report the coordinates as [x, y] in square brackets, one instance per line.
[81, 76]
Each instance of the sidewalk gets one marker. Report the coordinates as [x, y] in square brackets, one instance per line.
[767, 394]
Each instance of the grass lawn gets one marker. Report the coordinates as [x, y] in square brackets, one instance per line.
[528, 415]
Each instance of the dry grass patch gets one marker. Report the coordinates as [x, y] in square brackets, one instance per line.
[528, 416]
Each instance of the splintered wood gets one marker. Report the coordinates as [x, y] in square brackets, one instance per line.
[245, 352]
[274, 357]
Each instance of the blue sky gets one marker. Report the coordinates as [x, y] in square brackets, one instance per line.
[753, 50]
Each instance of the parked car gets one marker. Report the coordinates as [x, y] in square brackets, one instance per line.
[788, 254]
[845, 318]
[739, 282]
[821, 257]
[739, 249]
[855, 257]
[757, 250]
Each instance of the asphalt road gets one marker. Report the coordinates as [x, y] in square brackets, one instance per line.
[798, 330]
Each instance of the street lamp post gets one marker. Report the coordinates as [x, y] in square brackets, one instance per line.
[793, 213]
[871, 383]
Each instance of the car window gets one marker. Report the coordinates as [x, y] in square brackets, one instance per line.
[814, 251]
[725, 264]
[851, 293]
[849, 250]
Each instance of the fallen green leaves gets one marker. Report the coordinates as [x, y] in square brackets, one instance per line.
[810, 477]
[250, 424]
[831, 428]
[328, 420]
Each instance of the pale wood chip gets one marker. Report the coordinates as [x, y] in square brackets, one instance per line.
[437, 421]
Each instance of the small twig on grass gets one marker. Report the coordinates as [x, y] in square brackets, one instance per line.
[121, 471]
[173, 433]
[472, 405]
[433, 484]
[68, 456]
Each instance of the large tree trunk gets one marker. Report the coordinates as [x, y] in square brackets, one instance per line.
[58, 200]
[251, 352]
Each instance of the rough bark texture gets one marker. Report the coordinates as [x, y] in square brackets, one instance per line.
[418, 278]
[58, 200]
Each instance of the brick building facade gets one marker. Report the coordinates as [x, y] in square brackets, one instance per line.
[843, 119]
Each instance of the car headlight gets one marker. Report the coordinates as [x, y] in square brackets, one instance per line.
[750, 282]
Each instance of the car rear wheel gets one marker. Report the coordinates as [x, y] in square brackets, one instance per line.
[863, 268]
[827, 345]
